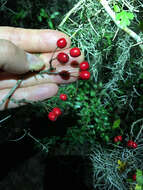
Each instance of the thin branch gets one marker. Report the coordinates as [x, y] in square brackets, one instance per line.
[10, 92]
[70, 12]
[5, 118]
[37, 141]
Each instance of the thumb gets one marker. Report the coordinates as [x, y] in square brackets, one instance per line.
[17, 61]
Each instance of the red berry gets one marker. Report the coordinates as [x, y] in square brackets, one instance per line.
[52, 116]
[75, 52]
[65, 75]
[134, 145]
[57, 111]
[61, 43]
[84, 65]
[84, 75]
[134, 177]
[63, 97]
[119, 138]
[130, 143]
[63, 57]
[116, 139]
[74, 64]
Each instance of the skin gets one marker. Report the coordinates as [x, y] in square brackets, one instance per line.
[19, 54]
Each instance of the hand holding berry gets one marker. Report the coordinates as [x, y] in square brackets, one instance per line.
[31, 41]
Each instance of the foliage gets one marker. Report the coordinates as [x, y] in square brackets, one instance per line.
[139, 177]
[111, 102]
[113, 166]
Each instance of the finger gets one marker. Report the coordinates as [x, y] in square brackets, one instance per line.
[9, 80]
[38, 79]
[73, 61]
[33, 40]
[34, 93]
[16, 60]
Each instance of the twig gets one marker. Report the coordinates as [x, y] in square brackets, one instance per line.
[139, 133]
[70, 12]
[132, 126]
[15, 140]
[10, 92]
[5, 118]
[37, 141]
[117, 22]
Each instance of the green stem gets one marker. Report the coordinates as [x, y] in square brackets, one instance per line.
[37, 141]
[10, 92]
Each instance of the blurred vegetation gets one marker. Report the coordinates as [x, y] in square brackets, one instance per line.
[108, 104]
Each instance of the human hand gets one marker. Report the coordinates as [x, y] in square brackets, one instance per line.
[18, 48]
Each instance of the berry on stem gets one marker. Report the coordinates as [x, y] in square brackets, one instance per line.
[119, 137]
[63, 57]
[75, 52]
[52, 116]
[115, 139]
[74, 64]
[57, 111]
[134, 145]
[134, 177]
[61, 43]
[63, 97]
[84, 75]
[65, 75]
[130, 143]
[84, 65]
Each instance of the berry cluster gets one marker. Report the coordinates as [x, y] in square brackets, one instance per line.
[54, 114]
[130, 143]
[117, 138]
[63, 58]
[84, 74]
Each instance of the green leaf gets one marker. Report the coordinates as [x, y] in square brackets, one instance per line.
[124, 17]
[138, 187]
[116, 124]
[116, 8]
[139, 177]
[139, 173]
[50, 24]
[40, 18]
[54, 15]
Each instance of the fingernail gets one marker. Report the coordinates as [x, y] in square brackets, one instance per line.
[35, 63]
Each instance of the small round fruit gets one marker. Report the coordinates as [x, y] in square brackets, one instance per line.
[57, 111]
[130, 143]
[84, 65]
[74, 64]
[63, 97]
[65, 75]
[63, 57]
[52, 116]
[84, 75]
[75, 52]
[134, 177]
[116, 139]
[61, 43]
[119, 138]
[134, 145]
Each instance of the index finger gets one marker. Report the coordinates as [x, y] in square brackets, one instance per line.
[33, 40]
